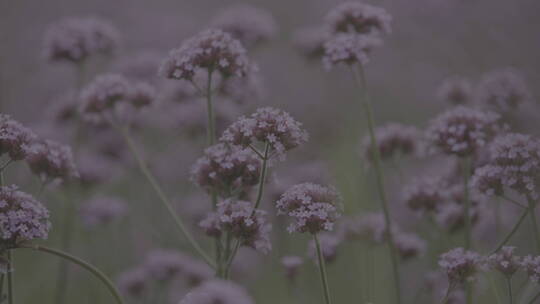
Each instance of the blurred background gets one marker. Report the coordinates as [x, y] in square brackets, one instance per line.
[431, 41]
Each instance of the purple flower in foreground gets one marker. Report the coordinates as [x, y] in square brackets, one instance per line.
[348, 49]
[455, 91]
[358, 17]
[267, 125]
[218, 291]
[291, 263]
[22, 217]
[76, 39]
[51, 161]
[532, 266]
[210, 50]
[505, 261]
[462, 131]
[313, 208]
[460, 265]
[101, 211]
[503, 91]
[15, 139]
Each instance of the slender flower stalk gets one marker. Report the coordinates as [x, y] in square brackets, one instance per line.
[10, 281]
[163, 198]
[96, 272]
[447, 294]
[532, 207]
[360, 78]
[322, 269]
[465, 170]
[509, 286]
[512, 232]
[63, 273]
[211, 130]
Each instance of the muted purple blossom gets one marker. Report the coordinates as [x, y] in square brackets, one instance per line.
[252, 26]
[329, 243]
[140, 66]
[15, 139]
[102, 210]
[52, 161]
[393, 140]
[141, 95]
[503, 90]
[505, 261]
[245, 90]
[291, 263]
[267, 125]
[76, 39]
[226, 169]
[312, 207]
[488, 180]
[164, 265]
[210, 50]
[95, 168]
[104, 93]
[409, 245]
[309, 41]
[455, 91]
[370, 227]
[532, 266]
[425, 194]
[462, 131]
[348, 49]
[22, 217]
[437, 283]
[134, 282]
[358, 17]
[218, 291]
[460, 265]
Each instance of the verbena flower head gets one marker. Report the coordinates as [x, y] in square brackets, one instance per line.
[455, 91]
[142, 95]
[134, 283]
[503, 90]
[505, 261]
[515, 163]
[51, 161]
[488, 180]
[226, 169]
[140, 66]
[393, 140]
[409, 245]
[358, 17]
[268, 125]
[329, 243]
[310, 41]
[101, 211]
[15, 139]
[164, 265]
[22, 217]
[348, 49]
[252, 26]
[424, 194]
[292, 264]
[76, 39]
[462, 131]
[460, 265]
[242, 222]
[312, 207]
[532, 266]
[218, 291]
[209, 50]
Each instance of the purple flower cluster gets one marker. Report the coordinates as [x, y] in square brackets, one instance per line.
[409, 245]
[502, 90]
[211, 50]
[329, 243]
[460, 265]
[51, 161]
[455, 91]
[348, 49]
[505, 261]
[313, 208]
[310, 41]
[358, 17]
[242, 221]
[267, 125]
[22, 217]
[425, 194]
[250, 25]
[393, 140]
[101, 211]
[15, 139]
[133, 282]
[462, 131]
[166, 265]
[226, 169]
[218, 291]
[532, 266]
[76, 39]
[292, 264]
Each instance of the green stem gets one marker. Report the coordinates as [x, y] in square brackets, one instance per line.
[360, 78]
[512, 232]
[96, 272]
[211, 130]
[230, 260]
[465, 170]
[322, 269]
[163, 198]
[447, 294]
[509, 285]
[532, 207]
[10, 282]
[63, 273]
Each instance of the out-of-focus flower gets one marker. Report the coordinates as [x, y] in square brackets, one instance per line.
[393, 140]
[532, 266]
[460, 265]
[243, 91]
[348, 49]
[358, 17]
[140, 66]
[455, 91]
[134, 282]
[239, 218]
[252, 26]
[463, 131]
[437, 283]
[101, 211]
[226, 169]
[267, 125]
[370, 226]
[210, 50]
[503, 90]
[313, 208]
[505, 261]
[409, 245]
[291, 263]
[51, 161]
[76, 39]
[329, 243]
[310, 41]
[95, 168]
[22, 217]
[141, 95]
[164, 265]
[425, 194]
[15, 139]
[218, 291]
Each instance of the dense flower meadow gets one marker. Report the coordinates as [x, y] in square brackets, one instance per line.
[163, 172]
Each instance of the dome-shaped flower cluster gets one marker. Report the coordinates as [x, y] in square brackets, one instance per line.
[312, 207]
[502, 90]
[252, 26]
[505, 261]
[393, 140]
[226, 169]
[242, 221]
[360, 18]
[76, 39]
[166, 265]
[22, 217]
[267, 125]
[462, 131]
[409, 245]
[210, 50]
[425, 194]
[455, 91]
[218, 291]
[292, 264]
[15, 139]
[348, 49]
[51, 161]
[532, 266]
[101, 211]
[460, 265]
